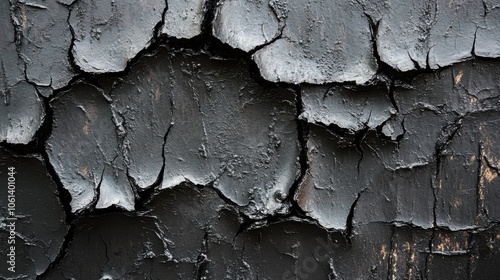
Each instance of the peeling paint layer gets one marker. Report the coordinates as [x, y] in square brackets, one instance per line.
[436, 172]
[44, 41]
[431, 33]
[250, 139]
[110, 33]
[200, 110]
[83, 150]
[21, 110]
[316, 47]
[234, 25]
[353, 110]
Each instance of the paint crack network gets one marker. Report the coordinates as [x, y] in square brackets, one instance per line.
[250, 139]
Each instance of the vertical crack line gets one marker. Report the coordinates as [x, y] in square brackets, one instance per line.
[415, 63]
[123, 144]
[400, 137]
[359, 136]
[71, 57]
[384, 70]
[105, 248]
[146, 194]
[68, 238]
[427, 60]
[428, 19]
[161, 24]
[434, 193]
[473, 50]
[92, 205]
[303, 134]
[486, 9]
[374, 25]
[447, 134]
[202, 260]
[62, 193]
[121, 134]
[207, 22]
[158, 27]
[350, 218]
[165, 138]
[391, 94]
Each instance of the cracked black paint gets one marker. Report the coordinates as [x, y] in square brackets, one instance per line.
[252, 139]
[41, 225]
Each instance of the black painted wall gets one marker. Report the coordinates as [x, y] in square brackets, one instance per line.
[250, 139]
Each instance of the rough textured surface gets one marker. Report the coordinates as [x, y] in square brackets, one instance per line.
[45, 39]
[110, 33]
[234, 25]
[83, 150]
[250, 139]
[21, 110]
[191, 114]
[323, 195]
[446, 122]
[348, 109]
[184, 18]
[488, 34]
[38, 217]
[143, 127]
[431, 33]
[314, 48]
[218, 102]
[182, 132]
[22, 113]
[185, 217]
[470, 166]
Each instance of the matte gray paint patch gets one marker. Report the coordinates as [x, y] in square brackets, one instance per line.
[22, 113]
[488, 35]
[21, 110]
[434, 33]
[234, 25]
[404, 195]
[349, 109]
[45, 41]
[186, 216]
[110, 33]
[184, 18]
[316, 46]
